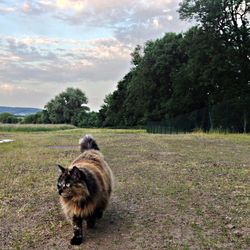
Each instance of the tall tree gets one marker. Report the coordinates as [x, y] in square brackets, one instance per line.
[67, 107]
[227, 20]
[103, 115]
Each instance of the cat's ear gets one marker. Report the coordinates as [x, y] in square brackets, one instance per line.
[75, 172]
[61, 168]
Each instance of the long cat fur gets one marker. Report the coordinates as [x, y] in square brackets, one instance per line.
[88, 199]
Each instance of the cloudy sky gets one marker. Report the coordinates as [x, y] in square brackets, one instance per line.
[49, 45]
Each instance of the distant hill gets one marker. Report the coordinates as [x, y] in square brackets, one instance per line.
[19, 111]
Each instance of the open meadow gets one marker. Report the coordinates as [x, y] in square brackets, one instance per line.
[183, 191]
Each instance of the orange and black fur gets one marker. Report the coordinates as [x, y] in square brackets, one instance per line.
[85, 187]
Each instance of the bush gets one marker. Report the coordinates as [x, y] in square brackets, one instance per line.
[8, 118]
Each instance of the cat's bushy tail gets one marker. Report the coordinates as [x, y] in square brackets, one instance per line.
[88, 142]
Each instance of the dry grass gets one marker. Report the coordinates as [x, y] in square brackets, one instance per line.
[172, 191]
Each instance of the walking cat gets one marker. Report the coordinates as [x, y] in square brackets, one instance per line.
[85, 187]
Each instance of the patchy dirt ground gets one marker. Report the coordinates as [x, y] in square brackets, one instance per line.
[172, 191]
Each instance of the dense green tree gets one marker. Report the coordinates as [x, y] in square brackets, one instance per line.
[89, 120]
[67, 107]
[8, 118]
[103, 115]
[189, 79]
[197, 82]
[228, 22]
[39, 117]
[143, 93]
[31, 119]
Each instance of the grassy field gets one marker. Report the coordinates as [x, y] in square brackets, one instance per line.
[186, 191]
[34, 127]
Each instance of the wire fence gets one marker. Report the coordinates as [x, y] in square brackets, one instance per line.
[229, 116]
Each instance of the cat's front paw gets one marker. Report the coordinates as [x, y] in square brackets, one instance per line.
[76, 240]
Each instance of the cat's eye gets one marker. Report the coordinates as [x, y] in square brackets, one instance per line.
[67, 185]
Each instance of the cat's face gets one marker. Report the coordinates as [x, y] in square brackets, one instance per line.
[70, 183]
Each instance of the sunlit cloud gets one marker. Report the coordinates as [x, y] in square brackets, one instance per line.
[48, 45]
[156, 23]
[25, 7]
[67, 4]
[41, 59]
[6, 88]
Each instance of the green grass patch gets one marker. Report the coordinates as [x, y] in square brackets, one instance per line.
[34, 127]
[106, 131]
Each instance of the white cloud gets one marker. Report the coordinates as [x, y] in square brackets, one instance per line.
[43, 62]
[25, 60]
[130, 21]
[43, 65]
[113, 14]
[7, 9]
[170, 18]
[156, 22]
[67, 4]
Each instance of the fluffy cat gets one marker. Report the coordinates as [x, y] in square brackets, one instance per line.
[85, 187]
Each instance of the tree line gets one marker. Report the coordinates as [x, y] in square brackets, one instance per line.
[197, 79]
[203, 74]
